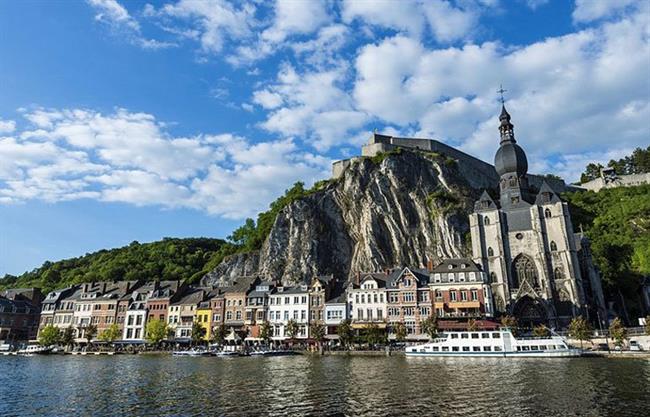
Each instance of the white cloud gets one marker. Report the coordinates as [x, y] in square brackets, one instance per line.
[590, 10]
[7, 126]
[571, 94]
[313, 105]
[295, 17]
[131, 158]
[113, 14]
[211, 21]
[445, 20]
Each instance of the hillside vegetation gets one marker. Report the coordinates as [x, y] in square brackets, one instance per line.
[617, 222]
[167, 259]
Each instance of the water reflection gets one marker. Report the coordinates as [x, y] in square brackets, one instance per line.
[290, 386]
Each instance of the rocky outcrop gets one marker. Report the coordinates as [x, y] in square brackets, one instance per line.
[401, 209]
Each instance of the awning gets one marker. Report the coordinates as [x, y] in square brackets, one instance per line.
[366, 325]
[233, 337]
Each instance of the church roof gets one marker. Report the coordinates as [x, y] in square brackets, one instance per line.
[546, 195]
[485, 202]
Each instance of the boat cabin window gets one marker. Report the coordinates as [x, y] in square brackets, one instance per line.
[422, 350]
[445, 349]
[436, 349]
[455, 348]
[464, 336]
[465, 348]
[485, 335]
[474, 335]
[518, 348]
[454, 335]
[525, 348]
[487, 348]
[542, 347]
[534, 348]
[497, 348]
[496, 335]
[476, 348]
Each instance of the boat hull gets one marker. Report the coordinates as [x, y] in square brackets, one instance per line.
[568, 353]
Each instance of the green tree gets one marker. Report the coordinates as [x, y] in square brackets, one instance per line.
[265, 332]
[156, 331]
[592, 171]
[374, 335]
[291, 329]
[219, 334]
[580, 329]
[647, 325]
[511, 323]
[618, 332]
[399, 329]
[430, 326]
[67, 337]
[90, 331]
[472, 326]
[317, 330]
[111, 334]
[541, 331]
[345, 333]
[49, 336]
[198, 333]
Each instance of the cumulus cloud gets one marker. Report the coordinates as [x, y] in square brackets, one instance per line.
[118, 18]
[68, 154]
[7, 126]
[313, 105]
[446, 21]
[575, 93]
[590, 10]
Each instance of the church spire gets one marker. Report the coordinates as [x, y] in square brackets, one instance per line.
[506, 128]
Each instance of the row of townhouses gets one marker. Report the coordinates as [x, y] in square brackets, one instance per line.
[455, 290]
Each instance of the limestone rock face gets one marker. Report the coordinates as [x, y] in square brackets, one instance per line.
[403, 210]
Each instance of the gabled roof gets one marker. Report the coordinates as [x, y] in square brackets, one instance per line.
[485, 203]
[421, 275]
[546, 195]
[456, 265]
[192, 296]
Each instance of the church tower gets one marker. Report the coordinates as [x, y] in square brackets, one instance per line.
[527, 246]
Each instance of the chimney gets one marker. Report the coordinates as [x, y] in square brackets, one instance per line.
[430, 265]
[357, 279]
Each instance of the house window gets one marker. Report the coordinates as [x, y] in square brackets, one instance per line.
[409, 297]
[490, 252]
[463, 295]
[408, 311]
[393, 297]
[474, 295]
[239, 315]
[438, 295]
[369, 313]
[452, 295]
[360, 314]
[380, 314]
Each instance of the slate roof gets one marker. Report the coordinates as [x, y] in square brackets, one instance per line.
[422, 276]
[192, 296]
[456, 266]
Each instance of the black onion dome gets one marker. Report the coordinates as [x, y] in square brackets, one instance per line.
[510, 158]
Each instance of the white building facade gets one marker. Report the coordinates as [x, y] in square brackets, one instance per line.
[285, 304]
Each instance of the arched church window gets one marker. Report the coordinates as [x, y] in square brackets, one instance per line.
[523, 269]
[553, 246]
[486, 220]
[558, 274]
[490, 252]
[547, 213]
[493, 278]
[512, 182]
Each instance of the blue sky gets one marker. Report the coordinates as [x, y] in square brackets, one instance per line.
[124, 121]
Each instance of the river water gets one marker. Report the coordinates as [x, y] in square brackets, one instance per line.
[332, 385]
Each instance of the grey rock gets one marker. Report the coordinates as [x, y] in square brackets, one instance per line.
[405, 210]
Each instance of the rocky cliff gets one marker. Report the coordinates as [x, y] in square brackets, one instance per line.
[403, 208]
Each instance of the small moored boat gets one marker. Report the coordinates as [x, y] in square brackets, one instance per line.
[35, 350]
[497, 343]
[191, 352]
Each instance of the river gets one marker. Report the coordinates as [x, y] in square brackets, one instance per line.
[333, 385]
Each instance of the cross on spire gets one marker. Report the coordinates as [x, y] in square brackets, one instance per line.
[501, 91]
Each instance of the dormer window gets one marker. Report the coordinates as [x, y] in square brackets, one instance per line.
[463, 266]
[450, 266]
[547, 213]
[486, 220]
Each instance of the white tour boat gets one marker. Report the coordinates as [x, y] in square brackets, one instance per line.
[35, 350]
[495, 343]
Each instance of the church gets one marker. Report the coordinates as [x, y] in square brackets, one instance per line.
[540, 271]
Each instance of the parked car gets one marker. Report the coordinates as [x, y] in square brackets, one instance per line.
[602, 346]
